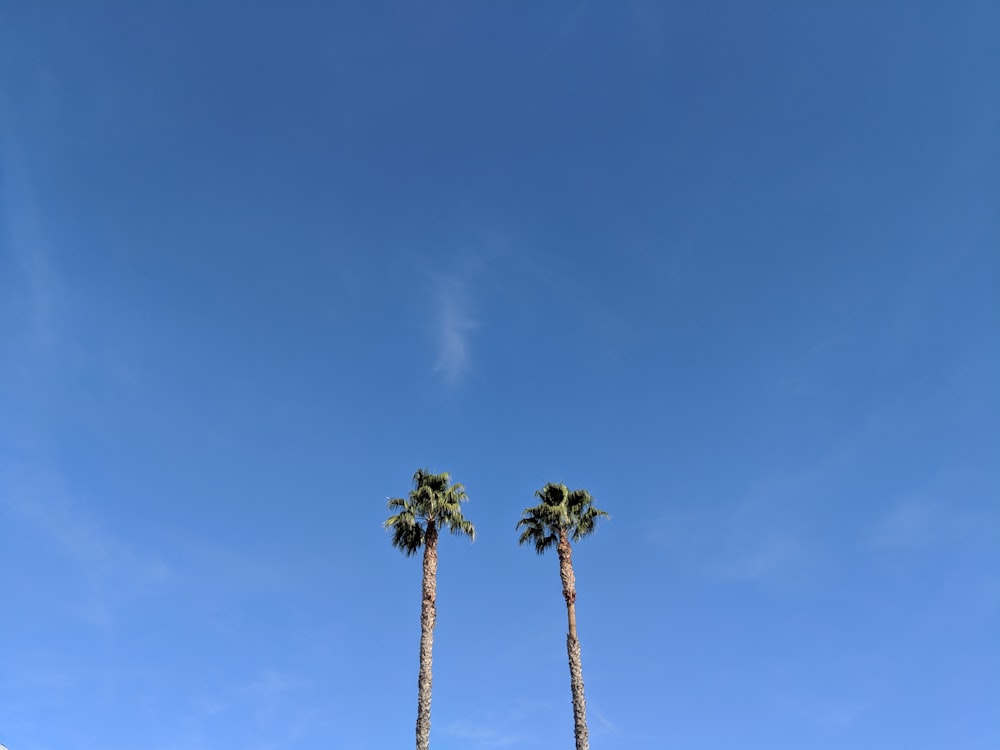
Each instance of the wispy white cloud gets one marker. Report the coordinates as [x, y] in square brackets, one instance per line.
[482, 734]
[22, 220]
[506, 725]
[455, 312]
[922, 521]
[771, 531]
[751, 540]
[564, 285]
[263, 690]
[760, 559]
[107, 568]
[824, 710]
[599, 722]
[275, 709]
[467, 281]
[281, 707]
[454, 328]
[910, 524]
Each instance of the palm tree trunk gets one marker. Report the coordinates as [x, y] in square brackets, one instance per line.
[573, 644]
[428, 616]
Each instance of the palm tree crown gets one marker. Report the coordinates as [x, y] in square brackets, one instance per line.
[561, 516]
[561, 511]
[433, 502]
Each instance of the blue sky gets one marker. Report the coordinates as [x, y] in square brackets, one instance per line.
[732, 267]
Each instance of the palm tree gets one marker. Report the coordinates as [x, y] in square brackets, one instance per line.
[433, 503]
[565, 515]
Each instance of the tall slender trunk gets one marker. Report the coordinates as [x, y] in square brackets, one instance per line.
[428, 616]
[573, 643]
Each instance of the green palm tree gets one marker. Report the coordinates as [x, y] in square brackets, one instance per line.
[433, 503]
[562, 516]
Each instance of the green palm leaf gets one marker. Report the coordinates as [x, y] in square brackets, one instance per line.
[563, 516]
[433, 503]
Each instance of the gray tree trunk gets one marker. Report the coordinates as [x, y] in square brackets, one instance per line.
[428, 617]
[573, 644]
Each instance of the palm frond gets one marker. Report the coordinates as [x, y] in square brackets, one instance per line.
[407, 533]
[545, 541]
[537, 529]
[395, 502]
[432, 499]
[587, 522]
[561, 510]
[461, 526]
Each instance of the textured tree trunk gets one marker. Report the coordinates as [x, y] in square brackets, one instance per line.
[573, 644]
[428, 616]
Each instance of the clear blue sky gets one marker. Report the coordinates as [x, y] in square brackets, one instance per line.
[733, 267]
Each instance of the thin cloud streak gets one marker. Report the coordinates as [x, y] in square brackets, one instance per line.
[770, 557]
[22, 215]
[829, 712]
[756, 539]
[108, 571]
[455, 325]
[920, 523]
[481, 735]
